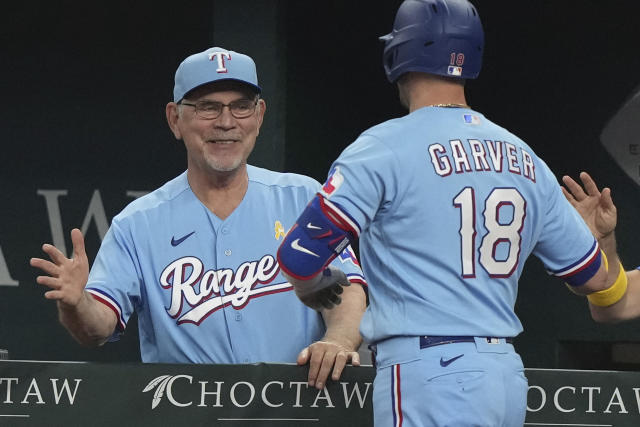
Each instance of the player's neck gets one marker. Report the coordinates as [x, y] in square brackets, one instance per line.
[423, 91]
[221, 193]
[428, 99]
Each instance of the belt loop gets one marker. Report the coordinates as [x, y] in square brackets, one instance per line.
[374, 351]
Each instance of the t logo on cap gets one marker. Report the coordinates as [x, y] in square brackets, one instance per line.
[220, 58]
[198, 69]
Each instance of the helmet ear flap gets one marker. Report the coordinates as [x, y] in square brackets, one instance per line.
[442, 37]
[390, 58]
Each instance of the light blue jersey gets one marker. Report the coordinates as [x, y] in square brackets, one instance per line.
[208, 290]
[448, 207]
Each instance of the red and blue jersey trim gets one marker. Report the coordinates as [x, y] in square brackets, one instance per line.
[106, 299]
[357, 278]
[582, 270]
[338, 216]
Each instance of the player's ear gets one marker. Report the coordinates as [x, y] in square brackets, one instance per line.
[261, 108]
[173, 114]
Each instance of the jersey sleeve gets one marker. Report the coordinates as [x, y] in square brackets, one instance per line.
[347, 261]
[362, 180]
[114, 279]
[566, 246]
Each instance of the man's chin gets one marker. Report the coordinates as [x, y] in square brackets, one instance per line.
[224, 167]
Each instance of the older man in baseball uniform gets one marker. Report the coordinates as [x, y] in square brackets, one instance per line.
[196, 258]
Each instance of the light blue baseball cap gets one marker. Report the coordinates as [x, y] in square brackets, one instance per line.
[213, 65]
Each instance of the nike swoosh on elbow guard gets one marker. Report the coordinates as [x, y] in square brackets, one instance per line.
[296, 245]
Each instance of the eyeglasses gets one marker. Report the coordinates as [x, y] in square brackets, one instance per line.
[240, 109]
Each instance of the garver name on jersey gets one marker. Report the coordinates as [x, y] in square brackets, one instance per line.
[208, 291]
[474, 155]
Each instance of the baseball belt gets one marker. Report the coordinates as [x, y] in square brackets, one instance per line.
[430, 341]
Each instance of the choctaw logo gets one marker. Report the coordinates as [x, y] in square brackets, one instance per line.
[163, 384]
[240, 394]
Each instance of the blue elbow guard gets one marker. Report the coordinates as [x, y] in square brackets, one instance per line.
[313, 242]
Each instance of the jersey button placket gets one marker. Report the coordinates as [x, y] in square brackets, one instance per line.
[235, 319]
[225, 231]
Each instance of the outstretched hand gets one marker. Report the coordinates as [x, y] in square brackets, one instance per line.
[66, 277]
[595, 207]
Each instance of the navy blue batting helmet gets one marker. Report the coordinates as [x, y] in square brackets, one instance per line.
[442, 37]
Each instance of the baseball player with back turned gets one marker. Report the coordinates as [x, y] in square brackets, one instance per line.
[196, 258]
[447, 206]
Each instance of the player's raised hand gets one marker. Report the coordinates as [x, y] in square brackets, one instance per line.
[326, 358]
[66, 277]
[595, 207]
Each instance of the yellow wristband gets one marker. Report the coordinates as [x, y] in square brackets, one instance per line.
[613, 294]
